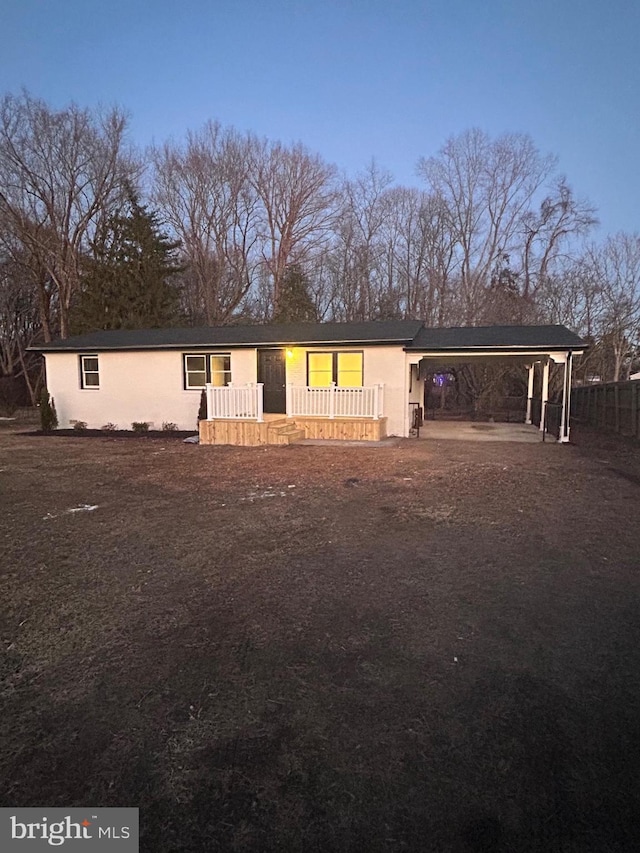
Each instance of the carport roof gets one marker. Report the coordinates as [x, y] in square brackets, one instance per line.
[495, 339]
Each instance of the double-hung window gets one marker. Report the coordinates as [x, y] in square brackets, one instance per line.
[89, 372]
[343, 368]
[202, 368]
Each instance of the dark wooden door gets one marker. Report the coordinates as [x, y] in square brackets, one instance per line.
[272, 373]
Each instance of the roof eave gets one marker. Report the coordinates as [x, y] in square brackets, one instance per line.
[213, 345]
[479, 350]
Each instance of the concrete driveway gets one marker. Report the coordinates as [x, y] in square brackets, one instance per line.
[481, 431]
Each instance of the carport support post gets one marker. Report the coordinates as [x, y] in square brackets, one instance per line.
[566, 400]
[544, 395]
[531, 368]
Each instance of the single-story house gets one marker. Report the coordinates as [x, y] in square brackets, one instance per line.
[275, 384]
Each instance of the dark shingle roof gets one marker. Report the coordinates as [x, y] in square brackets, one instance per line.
[496, 338]
[409, 333]
[387, 331]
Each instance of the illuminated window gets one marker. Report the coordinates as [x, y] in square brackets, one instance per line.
[89, 372]
[343, 368]
[207, 367]
[320, 369]
[349, 370]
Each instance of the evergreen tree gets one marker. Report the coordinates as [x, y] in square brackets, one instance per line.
[295, 304]
[48, 414]
[202, 411]
[127, 283]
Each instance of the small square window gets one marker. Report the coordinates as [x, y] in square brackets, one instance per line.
[89, 372]
[195, 371]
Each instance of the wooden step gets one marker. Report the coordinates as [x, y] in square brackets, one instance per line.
[287, 437]
[284, 432]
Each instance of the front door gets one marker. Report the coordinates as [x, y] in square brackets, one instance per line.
[272, 373]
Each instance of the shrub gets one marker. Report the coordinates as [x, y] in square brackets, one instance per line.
[168, 426]
[202, 411]
[48, 414]
[109, 427]
[140, 426]
[80, 426]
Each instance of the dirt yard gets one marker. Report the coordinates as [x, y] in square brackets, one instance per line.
[428, 647]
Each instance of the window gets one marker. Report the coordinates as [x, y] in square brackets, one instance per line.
[320, 369]
[207, 367]
[343, 368]
[349, 369]
[89, 373]
[220, 369]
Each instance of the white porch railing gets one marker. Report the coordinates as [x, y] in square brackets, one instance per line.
[332, 402]
[246, 402]
[239, 402]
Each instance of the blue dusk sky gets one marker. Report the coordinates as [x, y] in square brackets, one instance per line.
[355, 79]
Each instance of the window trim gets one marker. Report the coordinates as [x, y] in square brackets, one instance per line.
[334, 370]
[207, 368]
[84, 372]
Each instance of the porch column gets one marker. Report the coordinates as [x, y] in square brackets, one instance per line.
[566, 400]
[260, 402]
[531, 367]
[332, 401]
[545, 394]
[209, 395]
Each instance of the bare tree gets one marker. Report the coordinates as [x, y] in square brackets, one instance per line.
[420, 254]
[60, 171]
[358, 246]
[598, 295]
[548, 231]
[205, 191]
[487, 186]
[297, 193]
[20, 322]
[614, 270]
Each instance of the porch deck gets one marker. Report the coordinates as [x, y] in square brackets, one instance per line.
[282, 430]
[235, 415]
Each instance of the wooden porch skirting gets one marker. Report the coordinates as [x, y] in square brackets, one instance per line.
[290, 430]
[345, 429]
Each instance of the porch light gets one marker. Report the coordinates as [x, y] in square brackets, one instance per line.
[289, 353]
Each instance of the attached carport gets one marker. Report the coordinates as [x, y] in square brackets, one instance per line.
[534, 347]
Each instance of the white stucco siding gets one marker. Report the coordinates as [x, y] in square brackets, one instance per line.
[387, 365]
[244, 366]
[134, 386]
[296, 364]
[149, 385]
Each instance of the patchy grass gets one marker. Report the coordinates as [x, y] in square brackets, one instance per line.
[422, 647]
